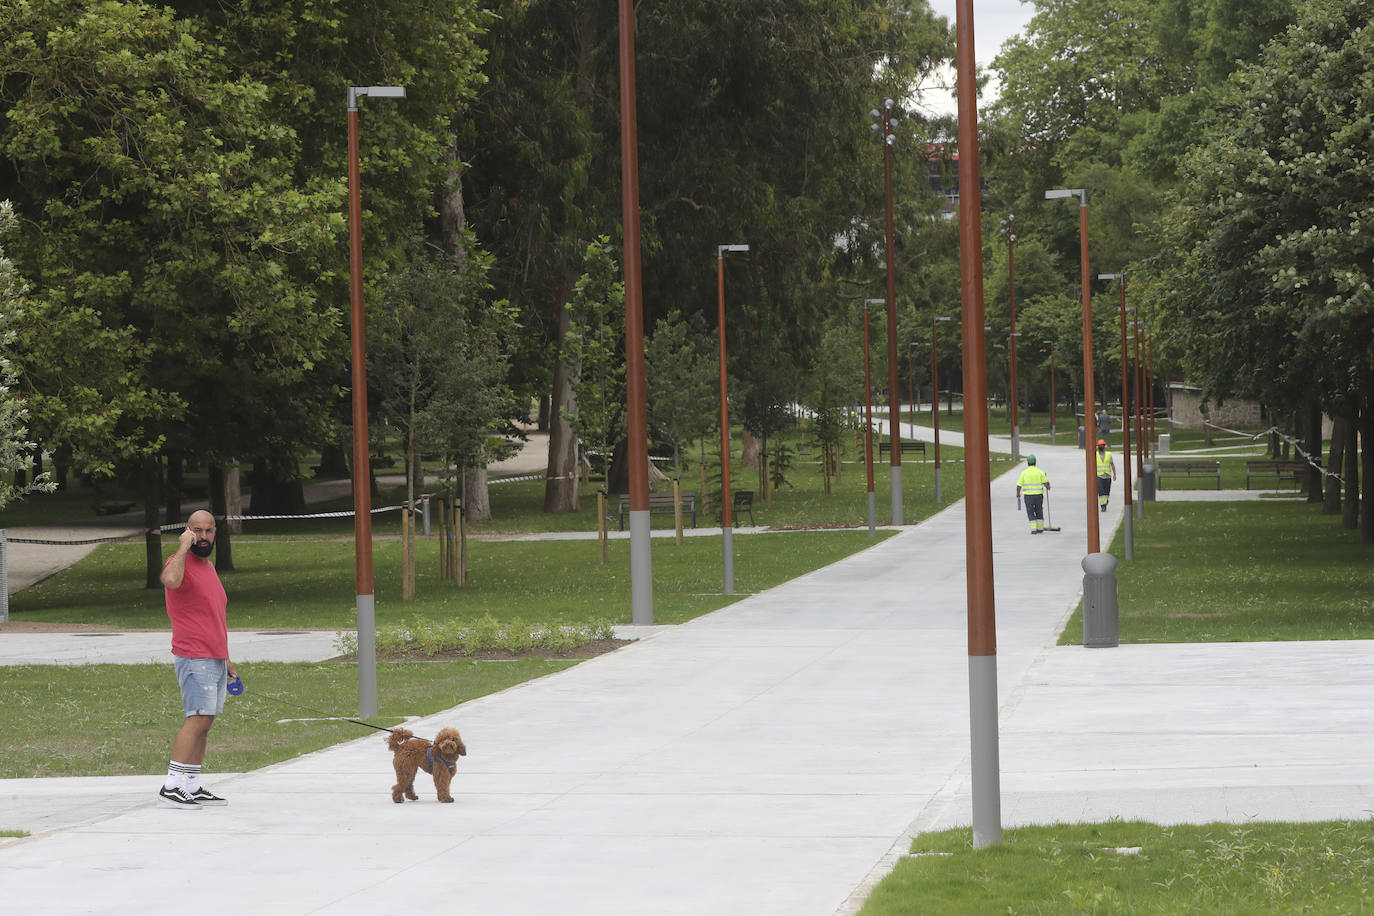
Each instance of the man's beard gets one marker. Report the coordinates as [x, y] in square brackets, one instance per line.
[202, 549]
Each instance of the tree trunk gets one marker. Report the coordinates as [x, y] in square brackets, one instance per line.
[175, 478]
[618, 472]
[560, 489]
[233, 495]
[542, 422]
[452, 218]
[752, 445]
[219, 508]
[152, 538]
[1351, 517]
[476, 497]
[333, 462]
[1331, 499]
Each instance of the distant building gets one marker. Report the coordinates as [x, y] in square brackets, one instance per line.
[1188, 411]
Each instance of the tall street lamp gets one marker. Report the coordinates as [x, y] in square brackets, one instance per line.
[868, 426]
[1134, 419]
[1150, 394]
[362, 477]
[1125, 420]
[1089, 396]
[883, 124]
[1139, 403]
[1052, 401]
[636, 407]
[935, 397]
[911, 383]
[982, 631]
[1009, 229]
[727, 541]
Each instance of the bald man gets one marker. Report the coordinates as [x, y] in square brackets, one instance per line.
[196, 605]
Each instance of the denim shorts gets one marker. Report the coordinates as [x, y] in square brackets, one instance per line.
[203, 682]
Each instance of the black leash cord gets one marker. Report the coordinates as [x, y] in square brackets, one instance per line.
[326, 716]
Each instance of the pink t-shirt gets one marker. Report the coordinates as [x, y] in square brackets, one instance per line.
[197, 612]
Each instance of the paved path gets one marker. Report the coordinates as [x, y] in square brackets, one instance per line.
[769, 758]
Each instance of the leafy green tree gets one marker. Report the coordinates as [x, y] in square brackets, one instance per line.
[14, 447]
[596, 353]
[1266, 290]
[681, 377]
[165, 230]
[752, 128]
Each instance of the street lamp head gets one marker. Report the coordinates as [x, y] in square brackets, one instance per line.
[1111, 276]
[875, 114]
[1080, 193]
[941, 318]
[875, 302]
[888, 103]
[376, 92]
[721, 249]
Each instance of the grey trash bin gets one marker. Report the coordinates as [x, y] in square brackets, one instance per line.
[1100, 625]
[1147, 482]
[1082, 436]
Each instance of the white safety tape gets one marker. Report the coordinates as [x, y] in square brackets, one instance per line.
[1296, 443]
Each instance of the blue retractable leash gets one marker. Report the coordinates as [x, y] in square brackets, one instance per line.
[235, 688]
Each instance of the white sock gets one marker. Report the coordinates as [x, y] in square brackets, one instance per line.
[176, 775]
[192, 783]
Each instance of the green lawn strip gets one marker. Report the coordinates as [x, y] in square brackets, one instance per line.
[310, 584]
[1240, 572]
[53, 729]
[1221, 869]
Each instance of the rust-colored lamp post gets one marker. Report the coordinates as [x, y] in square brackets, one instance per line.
[935, 397]
[1052, 395]
[1013, 416]
[727, 522]
[868, 425]
[362, 476]
[883, 122]
[636, 406]
[985, 776]
[1125, 421]
[1089, 395]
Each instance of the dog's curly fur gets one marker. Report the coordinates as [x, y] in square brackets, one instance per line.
[410, 756]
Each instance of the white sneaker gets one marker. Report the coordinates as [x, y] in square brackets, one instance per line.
[177, 798]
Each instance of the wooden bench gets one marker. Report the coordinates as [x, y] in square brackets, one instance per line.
[909, 447]
[1291, 471]
[112, 508]
[1182, 467]
[659, 503]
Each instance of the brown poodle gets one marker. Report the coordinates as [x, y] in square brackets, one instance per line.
[438, 757]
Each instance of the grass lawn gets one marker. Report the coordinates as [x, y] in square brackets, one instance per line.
[310, 583]
[109, 720]
[1240, 572]
[1137, 868]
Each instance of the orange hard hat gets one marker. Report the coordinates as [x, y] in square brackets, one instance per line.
[1101, 443]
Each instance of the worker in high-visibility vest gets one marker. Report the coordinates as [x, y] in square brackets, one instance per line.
[1032, 483]
[1106, 473]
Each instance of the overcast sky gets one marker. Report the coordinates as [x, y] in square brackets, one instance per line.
[994, 21]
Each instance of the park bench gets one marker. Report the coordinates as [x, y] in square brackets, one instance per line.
[909, 447]
[112, 508]
[1291, 471]
[658, 503]
[1185, 467]
[742, 501]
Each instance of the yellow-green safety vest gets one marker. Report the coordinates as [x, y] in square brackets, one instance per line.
[1104, 463]
[1032, 481]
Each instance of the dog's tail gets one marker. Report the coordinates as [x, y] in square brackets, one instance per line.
[398, 737]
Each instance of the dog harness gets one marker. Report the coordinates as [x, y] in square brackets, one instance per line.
[429, 755]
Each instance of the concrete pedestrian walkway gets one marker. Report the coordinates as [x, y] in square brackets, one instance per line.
[770, 758]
